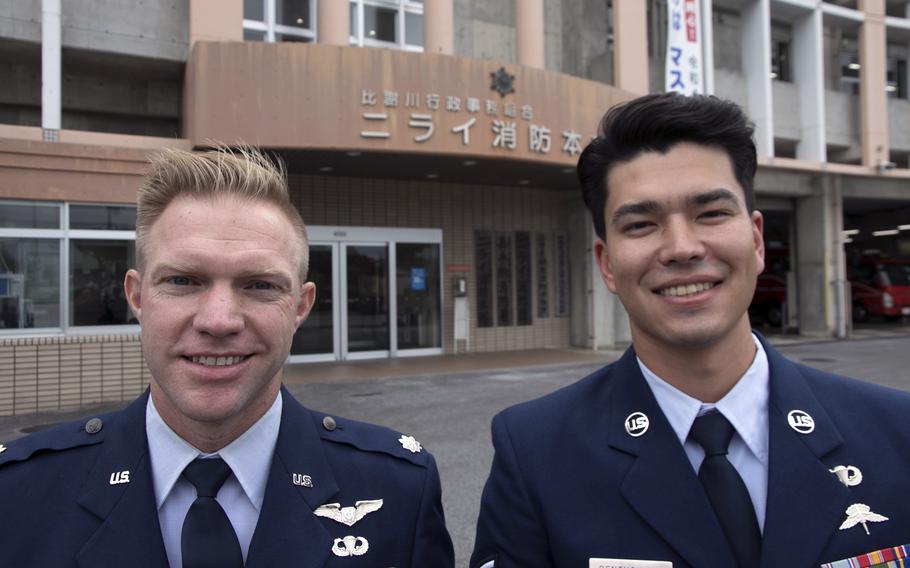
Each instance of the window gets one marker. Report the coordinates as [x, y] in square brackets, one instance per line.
[849, 69]
[896, 85]
[97, 268]
[29, 283]
[279, 20]
[780, 61]
[62, 265]
[387, 23]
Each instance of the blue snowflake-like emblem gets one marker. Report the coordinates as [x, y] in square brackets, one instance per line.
[503, 82]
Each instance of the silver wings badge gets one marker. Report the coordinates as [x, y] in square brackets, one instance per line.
[860, 514]
[348, 515]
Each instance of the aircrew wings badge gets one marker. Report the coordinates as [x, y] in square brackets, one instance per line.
[860, 514]
[348, 515]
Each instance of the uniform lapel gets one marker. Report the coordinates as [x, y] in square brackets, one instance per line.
[129, 534]
[805, 501]
[661, 484]
[288, 533]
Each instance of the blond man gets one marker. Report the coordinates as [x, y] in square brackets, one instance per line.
[217, 464]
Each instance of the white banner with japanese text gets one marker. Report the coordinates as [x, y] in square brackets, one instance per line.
[684, 48]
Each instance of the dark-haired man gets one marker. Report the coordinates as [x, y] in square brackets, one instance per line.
[701, 446]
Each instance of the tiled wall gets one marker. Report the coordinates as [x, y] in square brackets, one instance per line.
[49, 373]
[458, 210]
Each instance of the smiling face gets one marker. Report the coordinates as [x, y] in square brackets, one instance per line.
[682, 252]
[218, 301]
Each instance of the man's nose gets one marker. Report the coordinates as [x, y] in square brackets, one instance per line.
[219, 313]
[681, 243]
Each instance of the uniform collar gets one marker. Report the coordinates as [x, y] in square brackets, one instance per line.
[249, 456]
[745, 406]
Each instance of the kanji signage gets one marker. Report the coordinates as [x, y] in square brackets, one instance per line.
[505, 125]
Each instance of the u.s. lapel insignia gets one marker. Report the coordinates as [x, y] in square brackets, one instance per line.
[350, 546]
[302, 480]
[849, 475]
[860, 514]
[410, 443]
[2, 448]
[348, 515]
[801, 421]
[120, 477]
[637, 424]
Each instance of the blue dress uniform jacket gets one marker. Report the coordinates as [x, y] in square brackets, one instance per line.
[569, 484]
[61, 507]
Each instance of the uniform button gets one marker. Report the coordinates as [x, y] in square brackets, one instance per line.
[94, 426]
[329, 423]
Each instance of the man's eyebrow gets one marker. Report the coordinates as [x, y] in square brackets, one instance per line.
[266, 273]
[719, 194]
[634, 208]
[178, 268]
[169, 267]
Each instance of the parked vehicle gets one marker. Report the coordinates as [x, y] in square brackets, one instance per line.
[771, 289]
[880, 287]
[768, 302]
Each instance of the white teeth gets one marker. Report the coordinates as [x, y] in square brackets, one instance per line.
[218, 361]
[686, 289]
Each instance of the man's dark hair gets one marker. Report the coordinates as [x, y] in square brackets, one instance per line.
[656, 123]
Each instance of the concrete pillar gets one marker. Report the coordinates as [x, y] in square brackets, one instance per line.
[808, 72]
[439, 27]
[332, 22]
[873, 99]
[215, 20]
[707, 26]
[630, 46]
[51, 82]
[529, 33]
[756, 58]
[822, 309]
[598, 319]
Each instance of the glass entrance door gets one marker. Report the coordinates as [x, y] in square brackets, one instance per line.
[378, 294]
[418, 301]
[315, 338]
[365, 311]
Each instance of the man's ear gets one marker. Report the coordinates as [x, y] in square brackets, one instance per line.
[132, 285]
[758, 230]
[306, 301]
[603, 262]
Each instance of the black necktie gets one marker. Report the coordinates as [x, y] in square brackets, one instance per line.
[726, 490]
[208, 539]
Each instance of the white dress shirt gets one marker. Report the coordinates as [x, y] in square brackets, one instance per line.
[250, 459]
[745, 406]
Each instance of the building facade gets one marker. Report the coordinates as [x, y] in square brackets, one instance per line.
[431, 149]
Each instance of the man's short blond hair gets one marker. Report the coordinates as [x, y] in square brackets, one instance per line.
[242, 172]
